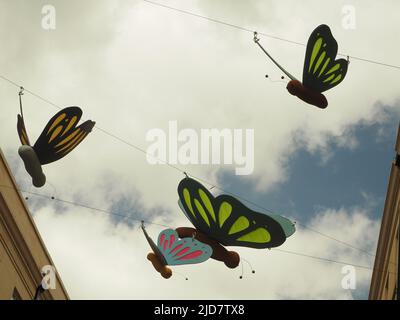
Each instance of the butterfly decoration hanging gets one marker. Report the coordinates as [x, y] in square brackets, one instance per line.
[60, 136]
[225, 221]
[321, 71]
[172, 251]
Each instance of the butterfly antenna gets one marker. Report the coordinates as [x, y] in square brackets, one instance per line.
[282, 78]
[241, 265]
[257, 41]
[181, 275]
[251, 267]
[54, 193]
[28, 192]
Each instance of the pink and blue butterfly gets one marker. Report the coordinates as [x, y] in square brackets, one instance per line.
[177, 251]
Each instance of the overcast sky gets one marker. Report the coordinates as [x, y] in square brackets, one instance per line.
[132, 67]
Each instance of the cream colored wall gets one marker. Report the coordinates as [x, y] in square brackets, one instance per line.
[10, 279]
[384, 276]
[392, 268]
[22, 251]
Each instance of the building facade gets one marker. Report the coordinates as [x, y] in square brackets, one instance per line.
[385, 279]
[22, 251]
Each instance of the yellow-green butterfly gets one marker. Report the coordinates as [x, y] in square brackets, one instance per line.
[229, 222]
[321, 71]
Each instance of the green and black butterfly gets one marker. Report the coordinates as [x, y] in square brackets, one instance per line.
[228, 221]
[321, 71]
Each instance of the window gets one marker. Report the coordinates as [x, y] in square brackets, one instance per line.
[15, 295]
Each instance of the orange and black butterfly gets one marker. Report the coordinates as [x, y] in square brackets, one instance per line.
[60, 136]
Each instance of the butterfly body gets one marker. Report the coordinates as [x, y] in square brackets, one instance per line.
[309, 96]
[159, 266]
[219, 252]
[32, 165]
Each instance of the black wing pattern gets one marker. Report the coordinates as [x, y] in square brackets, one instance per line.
[61, 135]
[228, 221]
[321, 70]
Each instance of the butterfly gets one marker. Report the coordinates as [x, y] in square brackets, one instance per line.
[171, 251]
[60, 136]
[321, 71]
[225, 221]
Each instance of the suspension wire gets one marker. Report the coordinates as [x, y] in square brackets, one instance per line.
[337, 240]
[214, 185]
[231, 25]
[22, 89]
[111, 213]
[257, 41]
[332, 260]
[86, 206]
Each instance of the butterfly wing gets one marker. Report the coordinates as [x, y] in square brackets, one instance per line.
[61, 135]
[228, 221]
[321, 70]
[23, 135]
[182, 251]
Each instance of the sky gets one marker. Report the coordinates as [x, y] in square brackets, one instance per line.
[133, 67]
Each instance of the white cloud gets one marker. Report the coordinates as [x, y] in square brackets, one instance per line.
[154, 65]
[133, 67]
[98, 259]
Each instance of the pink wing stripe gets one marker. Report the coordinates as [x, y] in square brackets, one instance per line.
[171, 240]
[165, 244]
[192, 255]
[177, 248]
[184, 250]
[162, 237]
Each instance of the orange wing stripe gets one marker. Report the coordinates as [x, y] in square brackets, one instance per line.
[70, 124]
[57, 121]
[71, 142]
[76, 143]
[73, 134]
[23, 140]
[55, 133]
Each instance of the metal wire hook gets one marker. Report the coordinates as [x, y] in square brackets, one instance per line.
[20, 94]
[255, 38]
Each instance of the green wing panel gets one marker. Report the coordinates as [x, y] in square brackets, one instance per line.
[228, 221]
[321, 71]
